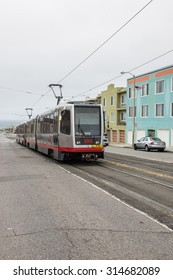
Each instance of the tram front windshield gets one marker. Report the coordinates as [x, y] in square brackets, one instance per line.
[87, 121]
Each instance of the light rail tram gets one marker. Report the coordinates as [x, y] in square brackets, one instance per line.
[71, 131]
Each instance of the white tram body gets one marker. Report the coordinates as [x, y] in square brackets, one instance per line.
[73, 130]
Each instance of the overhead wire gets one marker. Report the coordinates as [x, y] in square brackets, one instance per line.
[98, 48]
[37, 101]
[151, 60]
[119, 76]
[107, 40]
[18, 90]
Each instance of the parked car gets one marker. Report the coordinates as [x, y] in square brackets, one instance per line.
[150, 143]
[105, 140]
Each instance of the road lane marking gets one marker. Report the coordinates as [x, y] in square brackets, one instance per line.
[115, 198]
[161, 175]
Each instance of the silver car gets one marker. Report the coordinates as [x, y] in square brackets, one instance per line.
[149, 143]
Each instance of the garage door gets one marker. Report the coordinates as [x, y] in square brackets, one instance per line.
[129, 137]
[114, 136]
[163, 134]
[122, 136]
[140, 134]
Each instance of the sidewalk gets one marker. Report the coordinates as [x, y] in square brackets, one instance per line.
[127, 150]
[124, 145]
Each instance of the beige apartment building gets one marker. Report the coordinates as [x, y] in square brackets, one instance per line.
[114, 103]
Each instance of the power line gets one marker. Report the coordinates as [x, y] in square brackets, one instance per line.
[151, 60]
[18, 90]
[112, 79]
[117, 77]
[107, 40]
[41, 97]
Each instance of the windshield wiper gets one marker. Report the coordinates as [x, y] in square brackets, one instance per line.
[80, 129]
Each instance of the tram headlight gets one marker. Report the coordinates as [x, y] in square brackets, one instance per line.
[78, 142]
[97, 142]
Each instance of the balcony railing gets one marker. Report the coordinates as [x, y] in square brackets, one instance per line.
[121, 122]
[121, 105]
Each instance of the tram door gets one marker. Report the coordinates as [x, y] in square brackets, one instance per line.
[55, 128]
[65, 138]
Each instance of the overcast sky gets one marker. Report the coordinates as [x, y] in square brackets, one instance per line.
[43, 40]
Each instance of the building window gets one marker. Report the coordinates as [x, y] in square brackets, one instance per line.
[123, 101]
[130, 92]
[171, 109]
[160, 87]
[112, 117]
[159, 110]
[104, 102]
[144, 111]
[112, 101]
[144, 90]
[131, 112]
[123, 117]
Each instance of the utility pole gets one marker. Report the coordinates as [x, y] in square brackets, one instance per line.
[134, 93]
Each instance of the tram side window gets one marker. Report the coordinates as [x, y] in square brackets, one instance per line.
[65, 122]
[32, 128]
[51, 123]
[41, 125]
[55, 122]
[28, 128]
[44, 124]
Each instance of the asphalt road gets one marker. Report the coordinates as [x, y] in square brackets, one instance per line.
[50, 212]
[145, 185]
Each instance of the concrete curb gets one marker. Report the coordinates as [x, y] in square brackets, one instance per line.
[169, 150]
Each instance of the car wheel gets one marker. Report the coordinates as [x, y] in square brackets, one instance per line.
[135, 147]
[146, 148]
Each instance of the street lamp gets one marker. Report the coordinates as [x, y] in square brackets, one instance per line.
[29, 112]
[133, 122]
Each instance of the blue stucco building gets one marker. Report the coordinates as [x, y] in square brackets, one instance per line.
[153, 105]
